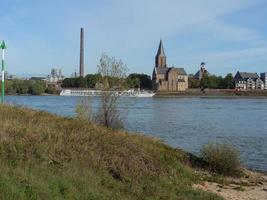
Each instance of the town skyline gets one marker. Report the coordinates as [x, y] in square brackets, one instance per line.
[226, 36]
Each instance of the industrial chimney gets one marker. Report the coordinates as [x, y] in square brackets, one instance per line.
[82, 53]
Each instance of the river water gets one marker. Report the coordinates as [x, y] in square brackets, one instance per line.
[187, 123]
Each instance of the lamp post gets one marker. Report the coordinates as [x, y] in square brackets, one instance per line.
[3, 47]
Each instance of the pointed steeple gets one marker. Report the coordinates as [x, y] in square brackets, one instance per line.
[160, 60]
[161, 49]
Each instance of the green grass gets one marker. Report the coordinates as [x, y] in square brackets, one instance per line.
[44, 156]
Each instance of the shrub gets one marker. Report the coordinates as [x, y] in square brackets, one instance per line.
[113, 74]
[37, 88]
[51, 89]
[222, 158]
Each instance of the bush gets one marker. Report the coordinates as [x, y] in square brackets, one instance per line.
[37, 88]
[222, 158]
[51, 89]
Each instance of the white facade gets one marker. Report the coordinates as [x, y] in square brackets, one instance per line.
[264, 79]
[241, 85]
[250, 84]
[55, 76]
[259, 84]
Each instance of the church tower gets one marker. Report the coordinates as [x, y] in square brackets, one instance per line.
[160, 60]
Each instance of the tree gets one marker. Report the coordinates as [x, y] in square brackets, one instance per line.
[204, 82]
[37, 88]
[217, 82]
[51, 89]
[192, 82]
[9, 87]
[92, 79]
[142, 81]
[113, 76]
[133, 82]
[80, 82]
[228, 81]
[67, 82]
[214, 82]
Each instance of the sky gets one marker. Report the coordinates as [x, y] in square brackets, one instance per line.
[44, 34]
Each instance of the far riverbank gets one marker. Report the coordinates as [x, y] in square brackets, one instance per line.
[215, 93]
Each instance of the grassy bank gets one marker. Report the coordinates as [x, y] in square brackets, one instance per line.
[44, 156]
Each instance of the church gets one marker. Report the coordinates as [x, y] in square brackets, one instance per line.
[167, 79]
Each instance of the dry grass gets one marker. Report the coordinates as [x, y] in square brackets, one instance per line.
[44, 156]
[222, 158]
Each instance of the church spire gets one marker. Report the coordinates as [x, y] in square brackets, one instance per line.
[161, 49]
[160, 60]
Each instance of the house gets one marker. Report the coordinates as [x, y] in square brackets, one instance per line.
[164, 78]
[264, 79]
[201, 72]
[248, 81]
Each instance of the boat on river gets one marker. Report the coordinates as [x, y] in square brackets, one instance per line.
[125, 93]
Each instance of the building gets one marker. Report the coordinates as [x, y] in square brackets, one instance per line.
[166, 78]
[8, 76]
[55, 76]
[259, 84]
[248, 81]
[201, 72]
[37, 78]
[264, 79]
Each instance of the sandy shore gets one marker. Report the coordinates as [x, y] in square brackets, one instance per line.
[253, 186]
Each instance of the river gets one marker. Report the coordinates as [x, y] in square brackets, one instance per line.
[187, 123]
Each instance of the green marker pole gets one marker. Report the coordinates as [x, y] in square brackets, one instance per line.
[3, 47]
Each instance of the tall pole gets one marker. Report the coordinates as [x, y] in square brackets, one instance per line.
[82, 53]
[3, 47]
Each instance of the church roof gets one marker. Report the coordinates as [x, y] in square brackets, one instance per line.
[180, 71]
[161, 70]
[165, 70]
[201, 72]
[160, 49]
[246, 75]
[197, 74]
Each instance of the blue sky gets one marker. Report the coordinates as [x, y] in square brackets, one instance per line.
[43, 34]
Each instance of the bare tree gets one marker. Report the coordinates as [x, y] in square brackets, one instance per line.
[113, 76]
[112, 82]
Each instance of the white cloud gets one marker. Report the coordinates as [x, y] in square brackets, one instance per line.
[125, 29]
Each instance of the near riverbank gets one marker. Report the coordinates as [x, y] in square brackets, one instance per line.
[215, 93]
[44, 156]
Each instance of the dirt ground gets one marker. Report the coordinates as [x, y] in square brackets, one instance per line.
[252, 186]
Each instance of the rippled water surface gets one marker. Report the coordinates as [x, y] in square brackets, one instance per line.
[187, 123]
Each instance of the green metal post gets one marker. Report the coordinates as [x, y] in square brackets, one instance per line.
[3, 47]
[3, 80]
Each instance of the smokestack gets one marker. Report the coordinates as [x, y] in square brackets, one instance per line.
[82, 53]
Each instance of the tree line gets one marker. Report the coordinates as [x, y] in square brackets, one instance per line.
[134, 80]
[212, 82]
[33, 87]
[144, 81]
